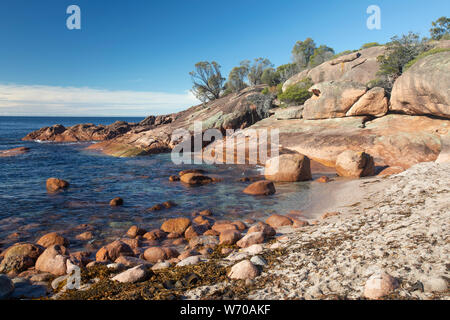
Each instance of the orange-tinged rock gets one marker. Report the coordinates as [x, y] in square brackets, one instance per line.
[276, 221]
[51, 239]
[55, 184]
[260, 188]
[178, 225]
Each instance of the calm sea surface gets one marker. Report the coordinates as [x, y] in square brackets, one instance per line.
[27, 209]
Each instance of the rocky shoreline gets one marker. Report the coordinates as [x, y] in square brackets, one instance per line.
[392, 228]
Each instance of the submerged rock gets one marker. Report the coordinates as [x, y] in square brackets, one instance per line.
[260, 188]
[55, 184]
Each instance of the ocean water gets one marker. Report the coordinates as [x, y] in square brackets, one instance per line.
[27, 211]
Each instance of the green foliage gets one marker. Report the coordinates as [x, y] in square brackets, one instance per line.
[423, 55]
[236, 78]
[306, 55]
[321, 54]
[399, 52]
[270, 77]
[370, 45]
[256, 69]
[302, 52]
[285, 71]
[440, 28]
[207, 81]
[297, 94]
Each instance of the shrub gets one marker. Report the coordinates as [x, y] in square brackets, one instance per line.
[298, 93]
[370, 45]
[423, 55]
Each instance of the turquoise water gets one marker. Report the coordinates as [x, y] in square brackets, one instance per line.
[27, 208]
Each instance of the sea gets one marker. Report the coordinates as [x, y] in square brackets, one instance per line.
[27, 211]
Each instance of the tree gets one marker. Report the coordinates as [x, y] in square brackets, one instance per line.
[236, 78]
[302, 52]
[285, 71]
[257, 69]
[207, 80]
[270, 77]
[399, 52]
[321, 54]
[441, 28]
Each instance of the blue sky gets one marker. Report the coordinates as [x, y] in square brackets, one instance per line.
[133, 57]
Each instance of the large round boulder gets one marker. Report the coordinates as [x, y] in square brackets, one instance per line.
[288, 168]
[53, 260]
[424, 87]
[51, 239]
[332, 99]
[355, 164]
[20, 257]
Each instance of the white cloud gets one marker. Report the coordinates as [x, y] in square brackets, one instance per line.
[34, 100]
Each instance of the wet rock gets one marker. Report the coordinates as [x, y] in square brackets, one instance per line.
[80, 258]
[355, 164]
[136, 274]
[204, 241]
[53, 260]
[205, 213]
[20, 257]
[244, 270]
[174, 178]
[156, 207]
[379, 285]
[211, 233]
[276, 221]
[250, 239]
[24, 289]
[113, 250]
[116, 202]
[116, 267]
[240, 225]
[260, 188]
[267, 230]
[157, 254]
[288, 168]
[197, 171]
[6, 287]
[51, 239]
[229, 237]
[221, 226]
[169, 204]
[156, 234]
[178, 225]
[195, 179]
[135, 231]
[55, 185]
[85, 236]
[133, 243]
[299, 223]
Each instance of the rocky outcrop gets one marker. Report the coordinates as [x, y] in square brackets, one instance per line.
[80, 132]
[360, 67]
[294, 112]
[424, 88]
[332, 99]
[234, 111]
[392, 140]
[373, 103]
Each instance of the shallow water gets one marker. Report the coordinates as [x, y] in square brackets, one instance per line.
[27, 208]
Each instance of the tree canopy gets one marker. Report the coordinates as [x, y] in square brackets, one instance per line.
[440, 28]
[207, 81]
